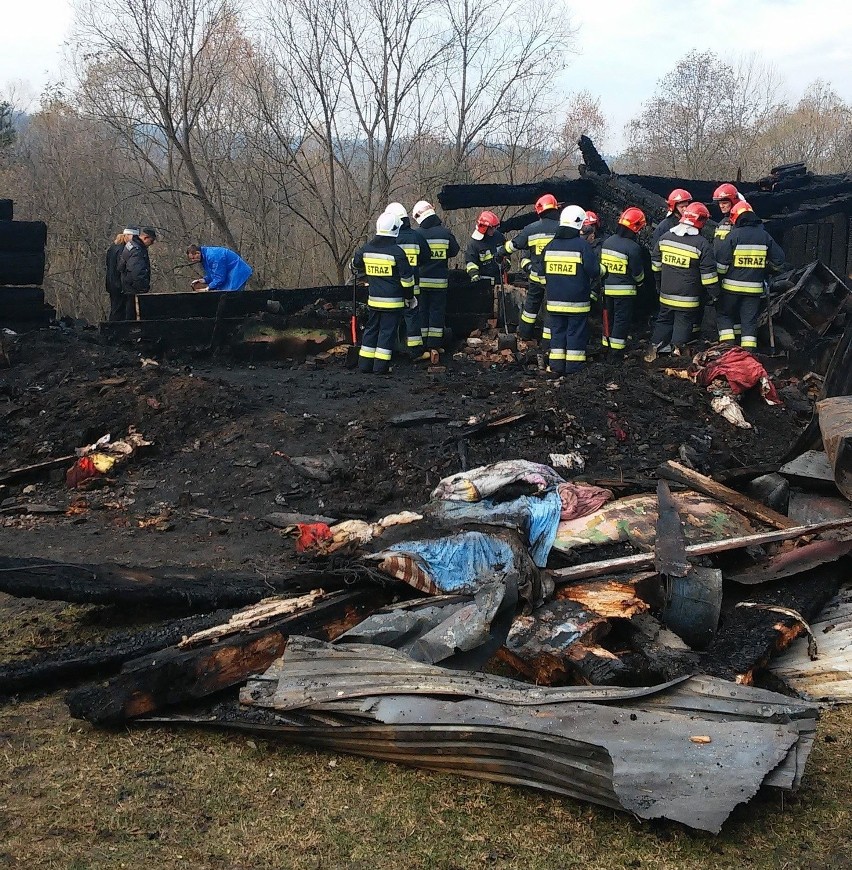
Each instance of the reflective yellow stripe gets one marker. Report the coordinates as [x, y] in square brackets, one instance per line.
[537, 279]
[726, 335]
[556, 353]
[472, 267]
[414, 340]
[367, 352]
[379, 265]
[568, 307]
[545, 333]
[510, 248]
[412, 251]
[527, 317]
[742, 287]
[575, 356]
[749, 258]
[679, 301]
[385, 302]
[407, 282]
[707, 280]
[748, 341]
[562, 262]
[433, 283]
[439, 248]
[620, 290]
[383, 353]
[617, 343]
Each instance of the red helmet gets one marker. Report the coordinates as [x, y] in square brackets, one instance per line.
[633, 218]
[740, 207]
[677, 196]
[726, 191]
[545, 203]
[591, 222]
[695, 215]
[487, 221]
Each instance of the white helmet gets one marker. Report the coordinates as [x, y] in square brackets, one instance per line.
[572, 216]
[422, 210]
[397, 209]
[388, 224]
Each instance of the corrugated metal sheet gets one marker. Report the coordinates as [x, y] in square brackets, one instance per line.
[633, 748]
[829, 676]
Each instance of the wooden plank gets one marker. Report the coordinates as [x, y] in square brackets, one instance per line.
[26, 471]
[175, 675]
[753, 509]
[646, 560]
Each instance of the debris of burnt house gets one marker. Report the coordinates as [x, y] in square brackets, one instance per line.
[22, 265]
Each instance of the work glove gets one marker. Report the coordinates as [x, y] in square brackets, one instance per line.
[474, 277]
[527, 267]
[411, 303]
[712, 300]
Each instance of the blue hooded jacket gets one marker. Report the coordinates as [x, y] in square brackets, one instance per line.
[224, 269]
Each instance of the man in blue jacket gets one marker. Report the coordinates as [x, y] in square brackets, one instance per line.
[223, 269]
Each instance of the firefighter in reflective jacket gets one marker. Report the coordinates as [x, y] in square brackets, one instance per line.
[531, 241]
[623, 264]
[569, 265]
[677, 201]
[390, 280]
[417, 250]
[746, 257]
[725, 195]
[481, 261]
[434, 276]
[683, 263]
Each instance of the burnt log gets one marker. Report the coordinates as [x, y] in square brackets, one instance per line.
[45, 670]
[174, 675]
[187, 590]
[456, 196]
[749, 636]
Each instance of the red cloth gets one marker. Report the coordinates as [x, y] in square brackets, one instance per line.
[311, 536]
[82, 470]
[739, 368]
[581, 499]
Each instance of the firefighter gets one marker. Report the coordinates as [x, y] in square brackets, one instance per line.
[746, 257]
[481, 258]
[624, 272]
[684, 266]
[677, 201]
[532, 240]
[591, 232]
[725, 195]
[417, 250]
[434, 277]
[390, 279]
[569, 265]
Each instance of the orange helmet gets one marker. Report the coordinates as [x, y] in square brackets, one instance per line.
[726, 191]
[633, 218]
[592, 222]
[740, 207]
[695, 215]
[677, 196]
[545, 203]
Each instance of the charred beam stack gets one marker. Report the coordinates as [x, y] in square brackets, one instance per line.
[22, 263]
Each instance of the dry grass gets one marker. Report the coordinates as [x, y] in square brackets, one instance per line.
[76, 798]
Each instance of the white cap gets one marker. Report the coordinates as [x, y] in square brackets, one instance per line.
[130, 231]
[422, 210]
[388, 225]
[572, 216]
[397, 209]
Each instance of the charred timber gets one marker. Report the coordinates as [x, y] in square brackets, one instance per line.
[749, 636]
[45, 671]
[456, 196]
[174, 676]
[188, 590]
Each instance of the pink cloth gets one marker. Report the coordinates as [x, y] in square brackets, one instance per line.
[581, 499]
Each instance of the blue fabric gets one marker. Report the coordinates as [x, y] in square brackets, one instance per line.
[224, 269]
[461, 563]
[536, 516]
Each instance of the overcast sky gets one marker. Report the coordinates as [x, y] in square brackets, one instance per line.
[625, 46]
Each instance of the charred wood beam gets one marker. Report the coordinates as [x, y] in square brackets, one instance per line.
[592, 160]
[749, 636]
[456, 196]
[45, 670]
[173, 676]
[181, 589]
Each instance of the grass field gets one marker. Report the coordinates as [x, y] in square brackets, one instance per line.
[76, 798]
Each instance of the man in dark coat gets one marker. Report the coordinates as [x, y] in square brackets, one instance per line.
[117, 303]
[134, 267]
